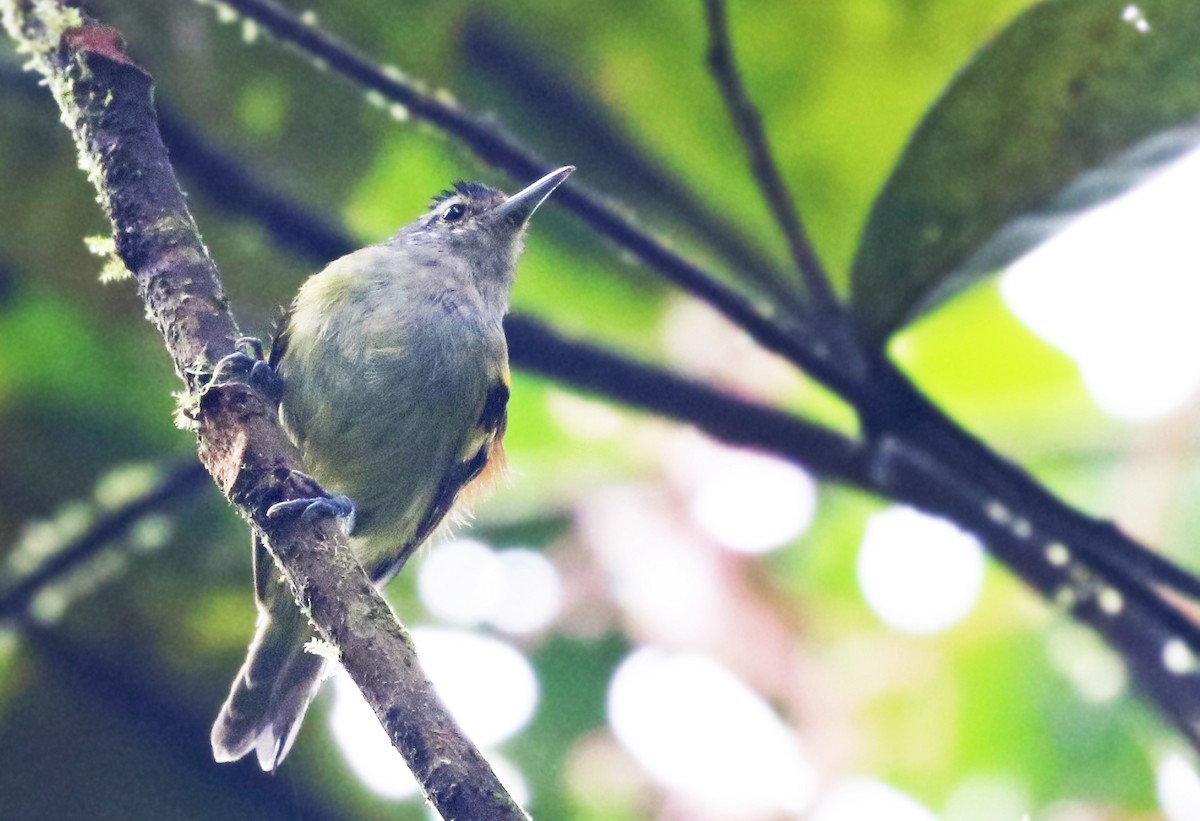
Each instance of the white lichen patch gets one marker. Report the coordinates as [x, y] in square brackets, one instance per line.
[998, 512]
[100, 245]
[1057, 554]
[114, 270]
[105, 247]
[187, 410]
[1022, 528]
[1111, 601]
[38, 31]
[323, 649]
[1065, 597]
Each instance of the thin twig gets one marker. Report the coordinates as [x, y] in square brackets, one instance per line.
[510, 60]
[112, 680]
[179, 483]
[105, 100]
[748, 122]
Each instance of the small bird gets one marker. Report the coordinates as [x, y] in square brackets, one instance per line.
[393, 378]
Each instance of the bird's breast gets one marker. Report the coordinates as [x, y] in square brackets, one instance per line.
[384, 381]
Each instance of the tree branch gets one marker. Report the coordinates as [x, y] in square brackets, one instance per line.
[776, 332]
[1158, 642]
[116, 681]
[748, 122]
[509, 60]
[176, 485]
[105, 103]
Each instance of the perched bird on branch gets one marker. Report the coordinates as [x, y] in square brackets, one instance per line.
[392, 371]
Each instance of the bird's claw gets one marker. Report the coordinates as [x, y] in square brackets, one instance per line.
[310, 509]
[247, 364]
[252, 344]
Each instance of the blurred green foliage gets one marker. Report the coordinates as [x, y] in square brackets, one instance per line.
[105, 712]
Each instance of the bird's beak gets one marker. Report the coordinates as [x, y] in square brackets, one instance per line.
[518, 208]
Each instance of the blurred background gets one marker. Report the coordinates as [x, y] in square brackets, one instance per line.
[642, 622]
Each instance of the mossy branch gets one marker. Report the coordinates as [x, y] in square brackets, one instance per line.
[105, 100]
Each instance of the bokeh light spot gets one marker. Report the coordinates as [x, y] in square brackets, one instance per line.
[855, 799]
[1116, 291]
[582, 418]
[365, 745]
[986, 798]
[753, 503]
[691, 724]
[487, 684]
[918, 573]
[1096, 672]
[532, 592]
[461, 581]
[1178, 787]
[465, 582]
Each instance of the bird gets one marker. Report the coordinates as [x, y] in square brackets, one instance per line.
[391, 370]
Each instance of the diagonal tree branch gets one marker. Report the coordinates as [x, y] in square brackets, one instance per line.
[177, 484]
[748, 122]
[105, 102]
[115, 680]
[773, 330]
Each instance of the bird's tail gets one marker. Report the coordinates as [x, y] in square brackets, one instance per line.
[272, 691]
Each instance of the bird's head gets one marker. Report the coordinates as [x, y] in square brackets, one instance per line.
[480, 225]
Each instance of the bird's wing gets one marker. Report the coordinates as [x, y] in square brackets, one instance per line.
[480, 461]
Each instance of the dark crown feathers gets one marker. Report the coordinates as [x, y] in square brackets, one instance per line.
[469, 190]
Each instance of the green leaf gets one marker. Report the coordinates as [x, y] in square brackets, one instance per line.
[1071, 105]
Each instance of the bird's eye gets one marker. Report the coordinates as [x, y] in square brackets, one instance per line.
[454, 213]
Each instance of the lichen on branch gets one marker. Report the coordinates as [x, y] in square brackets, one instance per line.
[105, 101]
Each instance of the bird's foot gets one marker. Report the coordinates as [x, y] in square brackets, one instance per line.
[310, 509]
[247, 364]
